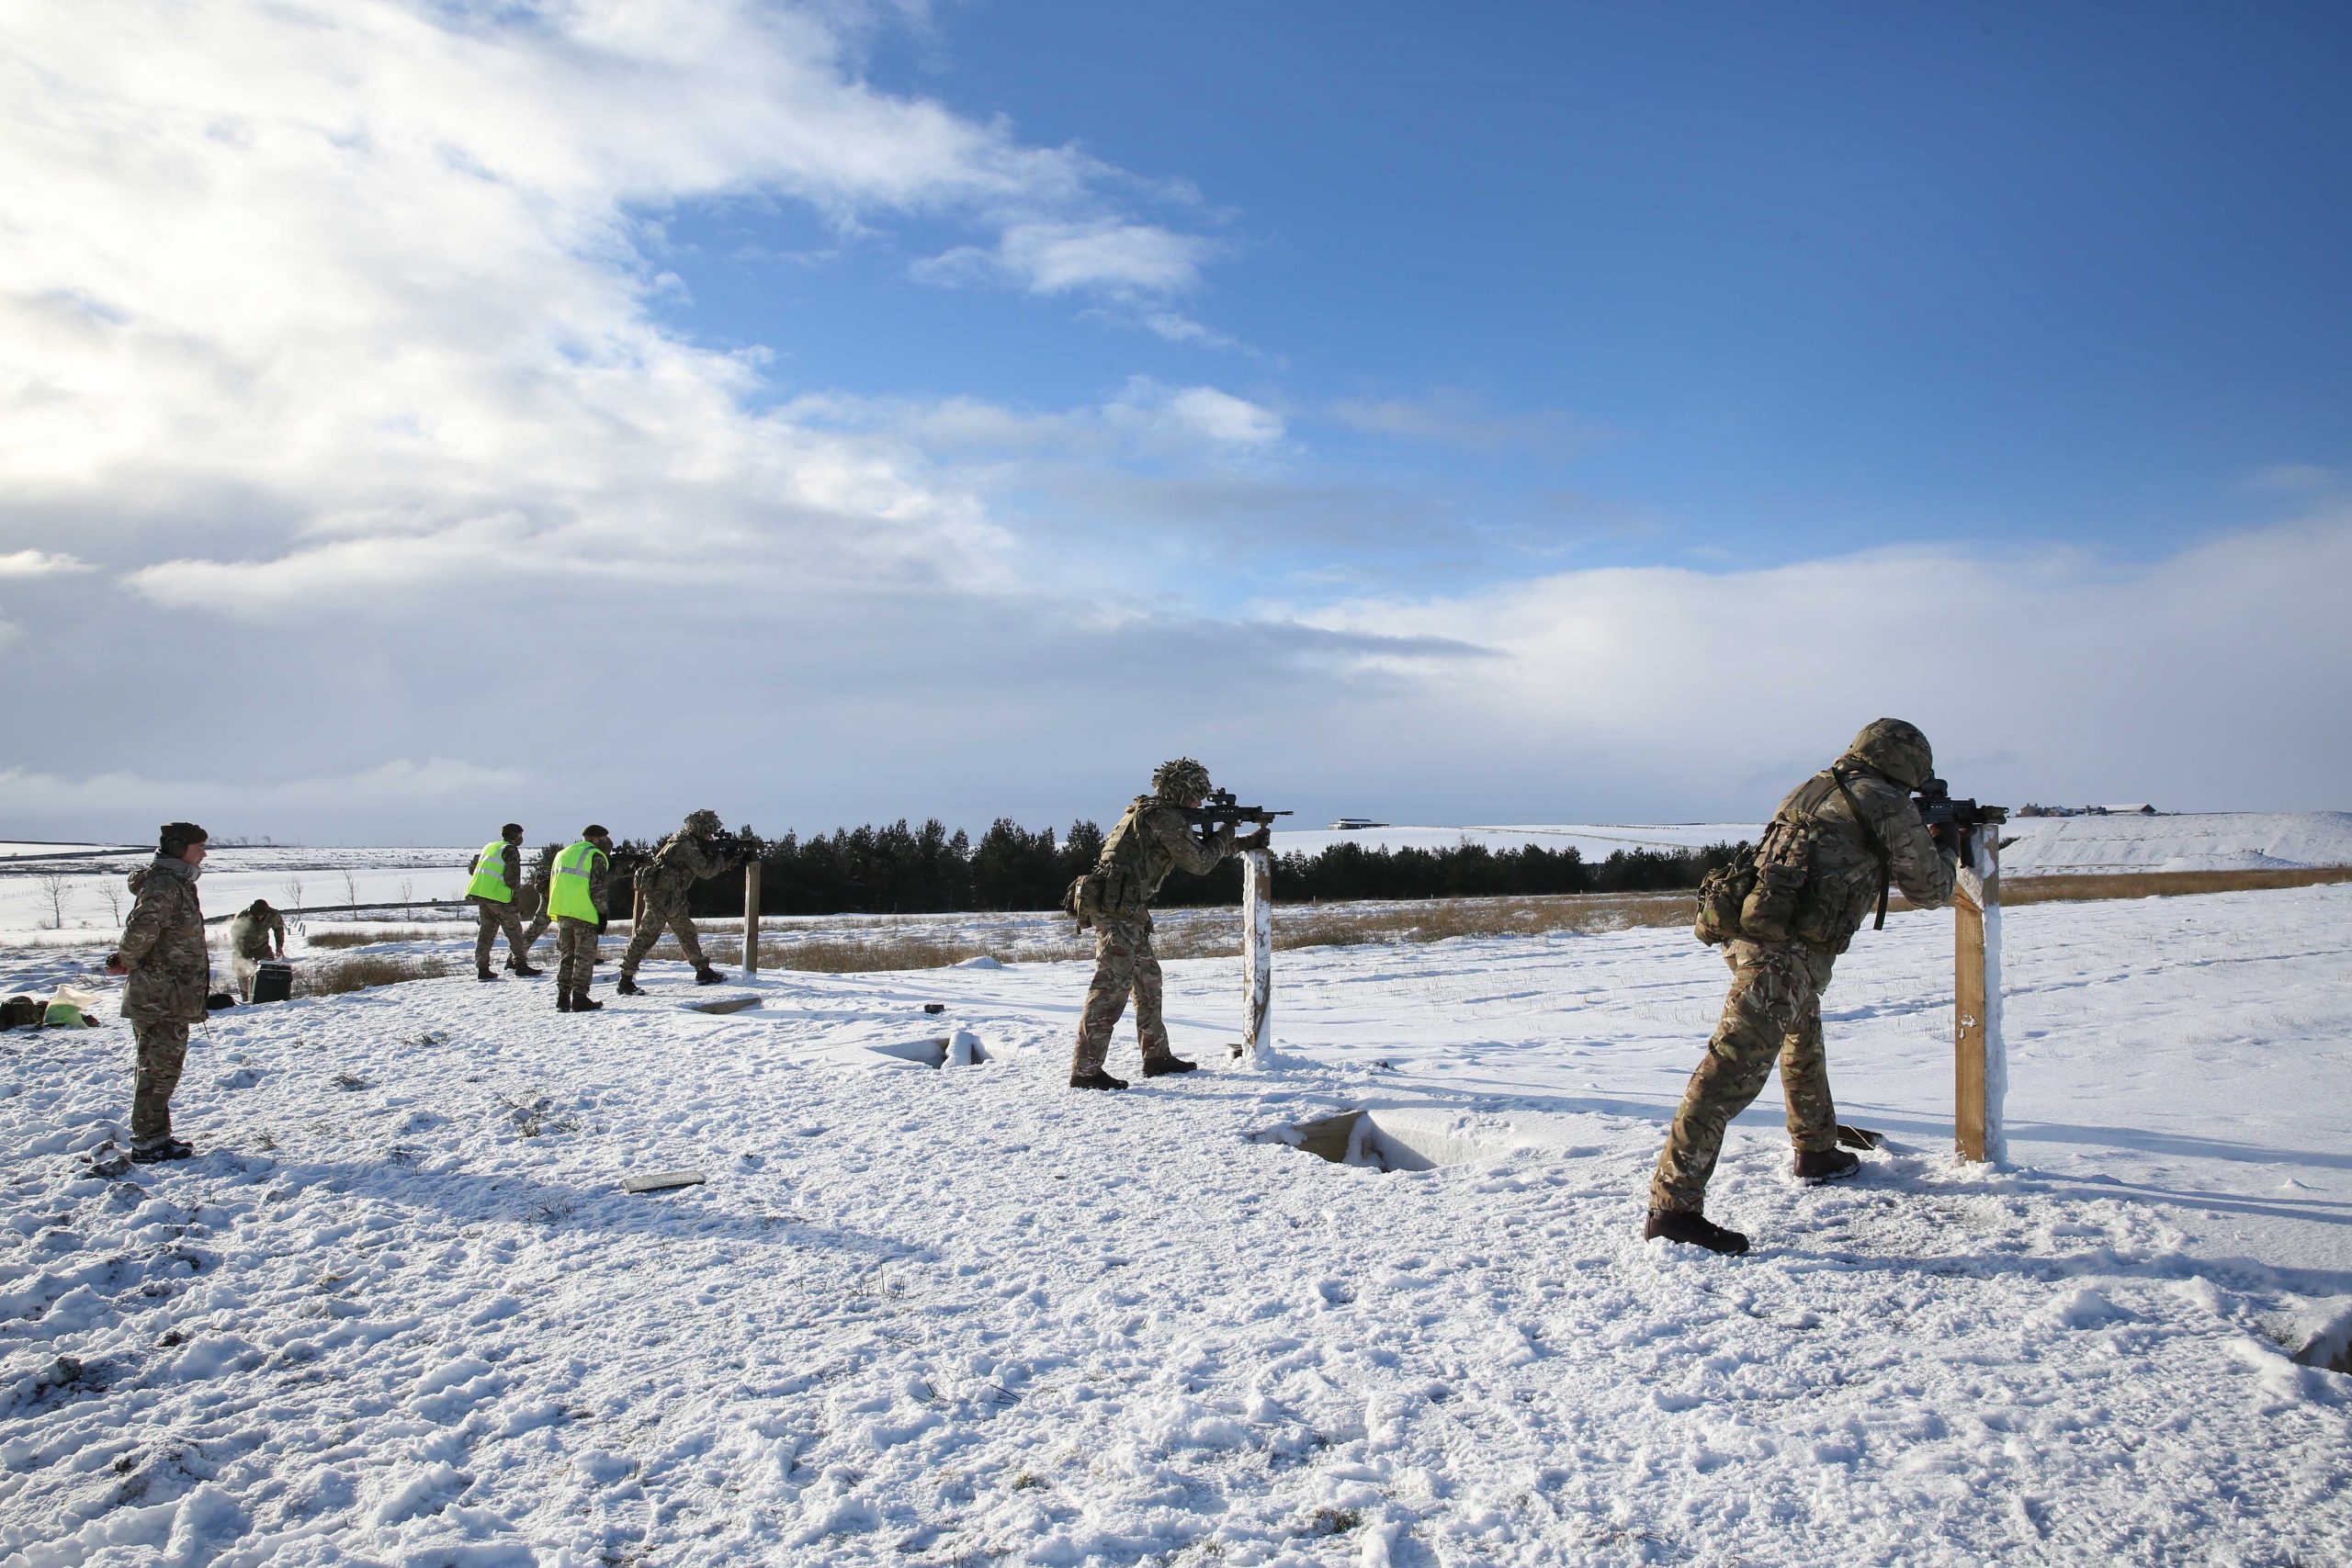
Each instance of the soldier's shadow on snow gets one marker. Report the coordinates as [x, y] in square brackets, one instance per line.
[472, 1198]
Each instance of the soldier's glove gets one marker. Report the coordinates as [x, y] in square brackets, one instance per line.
[1947, 836]
[1257, 840]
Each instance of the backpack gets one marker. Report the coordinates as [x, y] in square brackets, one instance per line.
[1762, 894]
[1087, 898]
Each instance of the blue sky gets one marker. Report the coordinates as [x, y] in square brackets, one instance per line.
[1786, 280]
[1462, 414]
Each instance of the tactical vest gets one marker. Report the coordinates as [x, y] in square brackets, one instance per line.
[1127, 873]
[489, 875]
[571, 892]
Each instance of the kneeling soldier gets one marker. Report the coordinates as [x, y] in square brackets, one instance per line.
[1152, 838]
[578, 884]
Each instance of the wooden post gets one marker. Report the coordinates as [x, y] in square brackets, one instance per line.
[750, 918]
[1980, 1057]
[1257, 955]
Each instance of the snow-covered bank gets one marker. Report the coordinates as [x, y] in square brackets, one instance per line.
[400, 1311]
[2211, 840]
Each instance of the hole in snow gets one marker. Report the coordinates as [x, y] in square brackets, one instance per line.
[1402, 1137]
[961, 1049]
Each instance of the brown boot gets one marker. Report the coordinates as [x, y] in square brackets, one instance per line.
[1829, 1165]
[1097, 1078]
[1155, 1066]
[1695, 1230]
[563, 1001]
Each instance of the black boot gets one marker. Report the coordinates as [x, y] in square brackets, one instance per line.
[170, 1148]
[584, 1003]
[1154, 1067]
[483, 972]
[629, 987]
[526, 971]
[1097, 1078]
[1696, 1230]
[707, 976]
[1829, 1165]
[563, 1001]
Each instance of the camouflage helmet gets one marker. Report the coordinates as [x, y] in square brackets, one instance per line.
[702, 821]
[1178, 780]
[1896, 749]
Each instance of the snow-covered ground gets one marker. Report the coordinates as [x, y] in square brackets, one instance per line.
[2208, 840]
[399, 1312]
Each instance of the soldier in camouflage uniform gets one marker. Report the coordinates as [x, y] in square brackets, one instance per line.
[497, 911]
[576, 934]
[165, 953]
[683, 859]
[1866, 833]
[1152, 838]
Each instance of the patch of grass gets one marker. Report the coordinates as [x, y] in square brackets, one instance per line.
[361, 971]
[340, 939]
[2162, 883]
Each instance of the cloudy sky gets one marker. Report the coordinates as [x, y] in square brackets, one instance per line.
[416, 413]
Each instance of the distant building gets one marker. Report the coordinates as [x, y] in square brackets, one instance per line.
[1353, 824]
[2139, 811]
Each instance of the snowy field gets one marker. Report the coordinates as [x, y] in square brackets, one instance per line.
[401, 1313]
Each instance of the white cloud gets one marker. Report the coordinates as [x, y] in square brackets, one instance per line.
[113, 795]
[1193, 414]
[40, 563]
[1108, 255]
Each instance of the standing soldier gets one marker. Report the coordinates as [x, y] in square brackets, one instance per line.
[1152, 838]
[498, 872]
[685, 858]
[163, 953]
[531, 903]
[578, 885]
[252, 932]
[1835, 844]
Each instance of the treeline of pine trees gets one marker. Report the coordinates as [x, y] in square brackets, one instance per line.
[928, 870]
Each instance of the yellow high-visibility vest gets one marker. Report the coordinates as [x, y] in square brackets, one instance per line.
[570, 895]
[489, 875]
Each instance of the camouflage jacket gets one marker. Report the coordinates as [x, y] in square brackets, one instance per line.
[1152, 840]
[163, 948]
[677, 865]
[1842, 888]
[250, 934]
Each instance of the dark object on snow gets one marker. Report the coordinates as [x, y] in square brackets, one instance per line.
[170, 1148]
[934, 1008]
[1695, 1230]
[1155, 1066]
[218, 1001]
[1830, 1165]
[21, 1012]
[629, 987]
[662, 1180]
[1853, 1137]
[709, 977]
[726, 1004]
[1096, 1079]
[273, 980]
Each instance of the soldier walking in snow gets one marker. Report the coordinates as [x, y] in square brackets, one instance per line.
[163, 953]
[497, 872]
[579, 882]
[683, 859]
[1828, 854]
[1152, 838]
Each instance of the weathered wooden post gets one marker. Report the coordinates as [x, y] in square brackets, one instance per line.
[750, 918]
[1981, 1063]
[1257, 957]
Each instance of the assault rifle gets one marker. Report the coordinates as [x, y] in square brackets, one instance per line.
[1219, 810]
[733, 849]
[1956, 818]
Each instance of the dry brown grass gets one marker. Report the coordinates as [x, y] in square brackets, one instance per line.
[361, 971]
[2162, 883]
[387, 933]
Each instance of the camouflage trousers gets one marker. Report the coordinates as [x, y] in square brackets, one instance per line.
[1773, 1011]
[650, 921]
[1123, 964]
[575, 955]
[495, 918]
[163, 1055]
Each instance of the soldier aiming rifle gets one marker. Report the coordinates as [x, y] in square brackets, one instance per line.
[697, 853]
[1155, 836]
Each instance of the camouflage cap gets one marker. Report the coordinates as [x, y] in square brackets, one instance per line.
[1896, 749]
[1179, 779]
[702, 821]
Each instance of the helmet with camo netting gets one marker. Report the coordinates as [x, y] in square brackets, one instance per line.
[1180, 780]
[705, 821]
[1896, 749]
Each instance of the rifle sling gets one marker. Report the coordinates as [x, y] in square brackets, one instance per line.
[1878, 845]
